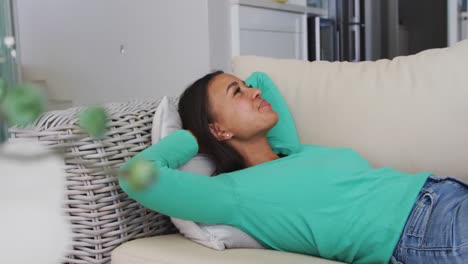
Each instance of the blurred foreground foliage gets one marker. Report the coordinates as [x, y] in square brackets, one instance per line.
[23, 104]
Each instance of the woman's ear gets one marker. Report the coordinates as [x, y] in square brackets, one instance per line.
[215, 131]
[219, 132]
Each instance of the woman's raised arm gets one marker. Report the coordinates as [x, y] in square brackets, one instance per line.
[177, 193]
[283, 137]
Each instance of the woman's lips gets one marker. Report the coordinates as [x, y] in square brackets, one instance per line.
[263, 104]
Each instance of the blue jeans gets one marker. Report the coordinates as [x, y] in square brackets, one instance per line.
[437, 228]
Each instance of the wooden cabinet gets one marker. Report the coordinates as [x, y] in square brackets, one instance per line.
[266, 32]
[257, 27]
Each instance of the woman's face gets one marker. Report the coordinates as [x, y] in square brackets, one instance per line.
[238, 111]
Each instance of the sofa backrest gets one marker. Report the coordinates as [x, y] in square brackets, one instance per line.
[409, 113]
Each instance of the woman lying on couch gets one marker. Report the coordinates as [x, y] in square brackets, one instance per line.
[309, 199]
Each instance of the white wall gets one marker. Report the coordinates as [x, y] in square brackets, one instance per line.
[219, 17]
[74, 47]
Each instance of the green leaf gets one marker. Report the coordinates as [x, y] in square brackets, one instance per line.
[141, 173]
[3, 89]
[22, 105]
[93, 120]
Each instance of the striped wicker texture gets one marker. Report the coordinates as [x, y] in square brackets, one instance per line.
[101, 215]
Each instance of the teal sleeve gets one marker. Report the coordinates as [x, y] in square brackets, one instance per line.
[181, 194]
[283, 137]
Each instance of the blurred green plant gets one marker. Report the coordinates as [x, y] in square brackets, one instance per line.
[23, 104]
[140, 174]
[3, 87]
[94, 121]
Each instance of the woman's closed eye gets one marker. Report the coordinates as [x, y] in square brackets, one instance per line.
[238, 89]
[246, 85]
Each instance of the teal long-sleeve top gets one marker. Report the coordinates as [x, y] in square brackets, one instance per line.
[317, 200]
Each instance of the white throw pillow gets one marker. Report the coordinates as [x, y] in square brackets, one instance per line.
[166, 120]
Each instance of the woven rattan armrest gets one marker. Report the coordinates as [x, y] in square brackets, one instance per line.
[102, 216]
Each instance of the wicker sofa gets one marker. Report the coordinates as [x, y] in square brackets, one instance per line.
[408, 113]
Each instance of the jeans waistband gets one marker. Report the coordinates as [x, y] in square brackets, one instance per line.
[432, 180]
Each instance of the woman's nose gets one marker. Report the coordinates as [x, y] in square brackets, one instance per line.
[256, 93]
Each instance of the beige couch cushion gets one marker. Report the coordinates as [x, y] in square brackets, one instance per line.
[175, 249]
[410, 113]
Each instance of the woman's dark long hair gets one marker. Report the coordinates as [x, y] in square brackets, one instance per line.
[195, 112]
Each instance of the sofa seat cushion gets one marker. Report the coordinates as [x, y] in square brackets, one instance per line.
[175, 249]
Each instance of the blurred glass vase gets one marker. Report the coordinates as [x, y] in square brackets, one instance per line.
[33, 227]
